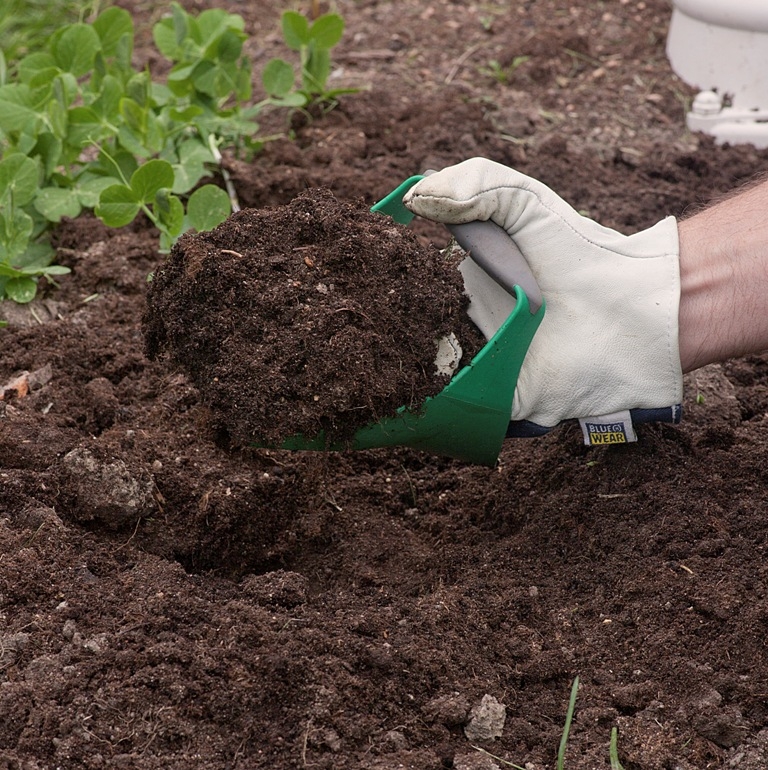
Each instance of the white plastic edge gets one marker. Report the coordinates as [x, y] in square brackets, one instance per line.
[748, 15]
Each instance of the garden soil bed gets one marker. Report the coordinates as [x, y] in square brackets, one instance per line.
[167, 601]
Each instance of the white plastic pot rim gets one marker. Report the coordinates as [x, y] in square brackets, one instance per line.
[748, 15]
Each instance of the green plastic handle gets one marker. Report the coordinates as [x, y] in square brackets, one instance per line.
[392, 204]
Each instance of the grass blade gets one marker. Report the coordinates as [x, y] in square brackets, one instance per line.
[613, 750]
[567, 727]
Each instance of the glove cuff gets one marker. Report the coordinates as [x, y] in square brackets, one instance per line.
[605, 433]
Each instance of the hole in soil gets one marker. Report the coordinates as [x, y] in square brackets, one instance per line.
[203, 561]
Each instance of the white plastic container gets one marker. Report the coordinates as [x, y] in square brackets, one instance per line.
[721, 47]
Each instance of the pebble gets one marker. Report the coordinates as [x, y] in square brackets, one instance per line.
[486, 720]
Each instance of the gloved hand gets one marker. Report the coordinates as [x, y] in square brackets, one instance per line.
[608, 342]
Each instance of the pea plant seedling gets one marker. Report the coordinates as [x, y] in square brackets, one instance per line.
[81, 128]
[313, 41]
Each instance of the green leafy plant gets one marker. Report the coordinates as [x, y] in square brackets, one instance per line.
[313, 40]
[503, 73]
[149, 190]
[210, 80]
[20, 265]
[80, 128]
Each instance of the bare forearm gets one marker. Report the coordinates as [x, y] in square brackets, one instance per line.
[724, 280]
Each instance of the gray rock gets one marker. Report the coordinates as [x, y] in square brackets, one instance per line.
[486, 720]
[109, 492]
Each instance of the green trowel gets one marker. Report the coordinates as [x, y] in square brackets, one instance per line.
[468, 419]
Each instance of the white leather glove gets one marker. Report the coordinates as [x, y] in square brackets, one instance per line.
[608, 342]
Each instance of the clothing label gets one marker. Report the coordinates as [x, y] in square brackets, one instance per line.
[607, 429]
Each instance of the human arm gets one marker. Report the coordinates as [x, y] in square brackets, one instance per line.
[724, 279]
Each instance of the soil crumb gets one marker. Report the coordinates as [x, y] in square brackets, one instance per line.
[314, 317]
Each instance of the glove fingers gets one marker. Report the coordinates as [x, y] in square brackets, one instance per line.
[532, 214]
[479, 189]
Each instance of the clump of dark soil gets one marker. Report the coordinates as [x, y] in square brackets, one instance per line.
[317, 316]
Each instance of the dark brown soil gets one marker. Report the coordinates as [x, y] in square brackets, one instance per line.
[169, 603]
[300, 319]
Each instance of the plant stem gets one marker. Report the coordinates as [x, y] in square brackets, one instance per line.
[233, 199]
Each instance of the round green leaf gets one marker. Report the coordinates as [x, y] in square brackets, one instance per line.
[215, 20]
[327, 31]
[148, 179]
[112, 25]
[57, 202]
[21, 290]
[208, 207]
[230, 46]
[18, 179]
[117, 206]
[277, 77]
[75, 49]
[295, 30]
[164, 36]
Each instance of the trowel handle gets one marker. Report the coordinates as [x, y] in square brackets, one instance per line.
[489, 245]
